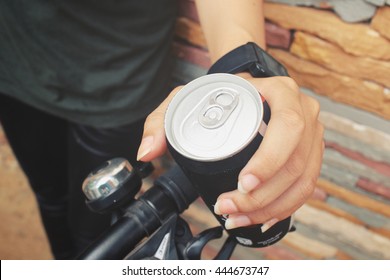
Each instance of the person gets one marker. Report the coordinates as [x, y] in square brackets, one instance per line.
[85, 81]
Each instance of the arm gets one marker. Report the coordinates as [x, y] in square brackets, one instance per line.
[228, 24]
[281, 175]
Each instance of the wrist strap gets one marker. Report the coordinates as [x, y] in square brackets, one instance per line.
[249, 58]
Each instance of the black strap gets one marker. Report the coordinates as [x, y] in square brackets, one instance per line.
[249, 58]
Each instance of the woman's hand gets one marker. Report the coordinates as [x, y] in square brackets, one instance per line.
[282, 174]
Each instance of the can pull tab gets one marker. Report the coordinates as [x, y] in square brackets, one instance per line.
[218, 108]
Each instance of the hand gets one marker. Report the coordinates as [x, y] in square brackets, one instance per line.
[282, 173]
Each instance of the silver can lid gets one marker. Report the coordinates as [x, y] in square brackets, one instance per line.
[214, 117]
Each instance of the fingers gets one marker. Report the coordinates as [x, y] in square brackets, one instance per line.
[153, 142]
[282, 206]
[291, 200]
[283, 134]
[286, 166]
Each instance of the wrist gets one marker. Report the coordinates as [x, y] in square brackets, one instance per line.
[245, 75]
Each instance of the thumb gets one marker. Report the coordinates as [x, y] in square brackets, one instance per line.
[153, 142]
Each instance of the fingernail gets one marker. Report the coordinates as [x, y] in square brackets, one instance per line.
[247, 183]
[227, 205]
[267, 225]
[237, 221]
[145, 147]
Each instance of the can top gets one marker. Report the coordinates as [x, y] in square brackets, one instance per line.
[213, 117]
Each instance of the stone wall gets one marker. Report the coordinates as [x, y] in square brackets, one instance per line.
[339, 53]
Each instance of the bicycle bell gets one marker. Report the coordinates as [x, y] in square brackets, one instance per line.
[111, 185]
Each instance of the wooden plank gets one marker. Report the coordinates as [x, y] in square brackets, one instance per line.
[369, 218]
[278, 252]
[363, 94]
[354, 198]
[190, 31]
[373, 187]
[338, 160]
[350, 132]
[358, 39]
[307, 246]
[351, 251]
[382, 231]
[348, 216]
[334, 211]
[344, 231]
[381, 21]
[381, 167]
[330, 56]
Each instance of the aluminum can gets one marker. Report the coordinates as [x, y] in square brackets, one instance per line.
[213, 126]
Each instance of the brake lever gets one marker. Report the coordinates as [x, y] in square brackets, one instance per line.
[161, 245]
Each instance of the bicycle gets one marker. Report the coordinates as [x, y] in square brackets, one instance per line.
[149, 227]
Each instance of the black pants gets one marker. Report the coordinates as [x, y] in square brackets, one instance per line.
[56, 156]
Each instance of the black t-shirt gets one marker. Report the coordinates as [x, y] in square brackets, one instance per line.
[101, 63]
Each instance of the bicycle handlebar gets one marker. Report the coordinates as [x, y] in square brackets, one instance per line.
[171, 194]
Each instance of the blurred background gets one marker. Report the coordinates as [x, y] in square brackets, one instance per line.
[339, 53]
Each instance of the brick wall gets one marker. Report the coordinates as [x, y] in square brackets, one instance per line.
[346, 66]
